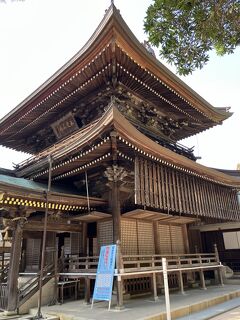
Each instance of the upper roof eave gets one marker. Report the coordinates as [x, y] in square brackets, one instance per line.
[61, 72]
[156, 67]
[113, 20]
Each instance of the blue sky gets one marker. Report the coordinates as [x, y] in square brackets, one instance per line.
[38, 36]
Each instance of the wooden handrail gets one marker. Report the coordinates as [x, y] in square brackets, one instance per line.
[144, 262]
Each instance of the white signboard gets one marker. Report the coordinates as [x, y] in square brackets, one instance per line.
[231, 240]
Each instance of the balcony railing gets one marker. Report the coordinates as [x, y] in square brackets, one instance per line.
[144, 263]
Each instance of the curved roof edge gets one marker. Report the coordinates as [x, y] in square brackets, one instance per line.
[127, 132]
[234, 173]
[180, 162]
[112, 15]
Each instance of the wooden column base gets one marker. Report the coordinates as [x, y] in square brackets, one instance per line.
[119, 305]
[202, 280]
[87, 291]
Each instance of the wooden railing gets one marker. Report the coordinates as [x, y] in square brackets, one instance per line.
[135, 263]
[144, 273]
[80, 264]
[142, 263]
[3, 296]
[31, 286]
[4, 267]
[4, 274]
[27, 290]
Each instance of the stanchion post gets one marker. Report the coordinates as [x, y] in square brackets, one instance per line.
[219, 272]
[166, 288]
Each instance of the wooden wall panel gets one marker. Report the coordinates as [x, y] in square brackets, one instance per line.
[145, 237]
[171, 190]
[164, 239]
[129, 243]
[76, 243]
[105, 233]
[67, 246]
[50, 248]
[33, 254]
[171, 239]
[177, 238]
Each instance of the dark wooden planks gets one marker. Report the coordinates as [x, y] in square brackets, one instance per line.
[166, 188]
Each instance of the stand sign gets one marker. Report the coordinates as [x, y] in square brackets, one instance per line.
[105, 274]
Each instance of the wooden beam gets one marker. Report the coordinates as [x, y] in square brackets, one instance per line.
[55, 227]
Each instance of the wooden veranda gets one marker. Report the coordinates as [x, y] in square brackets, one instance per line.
[182, 270]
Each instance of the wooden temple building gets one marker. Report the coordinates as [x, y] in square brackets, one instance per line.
[105, 162]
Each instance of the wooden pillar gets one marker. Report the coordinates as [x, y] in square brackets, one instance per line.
[12, 286]
[156, 237]
[116, 175]
[116, 214]
[154, 287]
[202, 279]
[119, 278]
[84, 238]
[155, 278]
[180, 277]
[87, 291]
[154, 281]
[186, 240]
[181, 286]
[3, 260]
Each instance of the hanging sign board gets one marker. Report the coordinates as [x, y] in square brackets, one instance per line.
[105, 274]
[65, 126]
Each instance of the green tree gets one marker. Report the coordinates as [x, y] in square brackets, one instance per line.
[187, 30]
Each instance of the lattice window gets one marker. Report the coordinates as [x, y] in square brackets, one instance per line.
[105, 233]
[50, 247]
[33, 254]
[177, 239]
[145, 237]
[67, 247]
[164, 239]
[76, 243]
[171, 239]
[129, 236]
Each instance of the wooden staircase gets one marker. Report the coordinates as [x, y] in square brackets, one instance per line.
[27, 289]
[30, 287]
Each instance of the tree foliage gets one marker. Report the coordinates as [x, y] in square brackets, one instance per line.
[186, 30]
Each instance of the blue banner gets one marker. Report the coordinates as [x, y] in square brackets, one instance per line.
[105, 273]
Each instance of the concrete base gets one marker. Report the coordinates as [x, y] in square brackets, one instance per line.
[146, 308]
[10, 314]
[47, 297]
[119, 308]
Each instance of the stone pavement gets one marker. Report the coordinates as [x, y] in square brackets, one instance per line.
[223, 311]
[145, 308]
[233, 314]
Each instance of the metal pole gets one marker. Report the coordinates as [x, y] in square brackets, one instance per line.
[87, 191]
[166, 289]
[39, 313]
